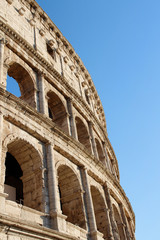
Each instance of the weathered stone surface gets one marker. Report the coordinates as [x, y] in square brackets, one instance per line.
[54, 149]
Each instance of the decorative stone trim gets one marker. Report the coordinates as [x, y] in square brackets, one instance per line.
[42, 32]
[10, 1]
[21, 11]
[32, 22]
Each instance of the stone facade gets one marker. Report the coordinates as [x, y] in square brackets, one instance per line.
[59, 176]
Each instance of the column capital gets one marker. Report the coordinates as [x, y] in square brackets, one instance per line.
[91, 123]
[41, 73]
[69, 99]
[6, 66]
[2, 40]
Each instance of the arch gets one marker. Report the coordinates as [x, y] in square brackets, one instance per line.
[57, 111]
[118, 220]
[30, 163]
[71, 196]
[83, 136]
[25, 82]
[99, 150]
[100, 212]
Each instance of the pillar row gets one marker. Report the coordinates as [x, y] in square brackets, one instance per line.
[106, 157]
[92, 227]
[2, 44]
[41, 93]
[93, 143]
[1, 157]
[57, 218]
[72, 124]
[128, 236]
[111, 214]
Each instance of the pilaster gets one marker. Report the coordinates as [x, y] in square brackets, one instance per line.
[111, 214]
[3, 195]
[93, 143]
[128, 236]
[106, 157]
[1, 153]
[92, 227]
[2, 44]
[109, 226]
[57, 218]
[41, 92]
[72, 124]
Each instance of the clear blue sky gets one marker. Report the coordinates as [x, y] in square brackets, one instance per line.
[119, 43]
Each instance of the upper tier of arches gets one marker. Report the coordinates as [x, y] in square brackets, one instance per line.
[54, 49]
[61, 110]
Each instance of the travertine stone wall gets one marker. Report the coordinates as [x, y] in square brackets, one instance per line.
[55, 154]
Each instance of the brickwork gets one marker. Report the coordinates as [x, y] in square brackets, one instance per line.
[55, 155]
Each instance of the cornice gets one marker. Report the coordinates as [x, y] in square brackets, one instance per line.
[30, 229]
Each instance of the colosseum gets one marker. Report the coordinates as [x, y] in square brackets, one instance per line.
[59, 176]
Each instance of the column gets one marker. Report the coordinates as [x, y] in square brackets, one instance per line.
[72, 124]
[92, 227]
[42, 100]
[1, 133]
[106, 156]
[57, 218]
[111, 214]
[109, 227]
[125, 222]
[130, 222]
[2, 168]
[2, 43]
[93, 143]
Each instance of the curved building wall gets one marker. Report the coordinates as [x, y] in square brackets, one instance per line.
[59, 176]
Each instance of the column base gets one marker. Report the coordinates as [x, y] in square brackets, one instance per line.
[3, 197]
[58, 221]
[96, 235]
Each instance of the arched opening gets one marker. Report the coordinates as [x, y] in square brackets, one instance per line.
[83, 136]
[100, 212]
[99, 150]
[129, 225]
[118, 220]
[57, 111]
[13, 182]
[24, 174]
[70, 196]
[26, 87]
[13, 87]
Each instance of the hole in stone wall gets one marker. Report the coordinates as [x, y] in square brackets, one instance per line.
[118, 220]
[24, 174]
[99, 150]
[19, 75]
[70, 196]
[13, 87]
[57, 111]
[83, 136]
[100, 212]
[13, 179]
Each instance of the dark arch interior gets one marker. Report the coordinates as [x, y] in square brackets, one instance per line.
[83, 136]
[57, 111]
[70, 196]
[13, 175]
